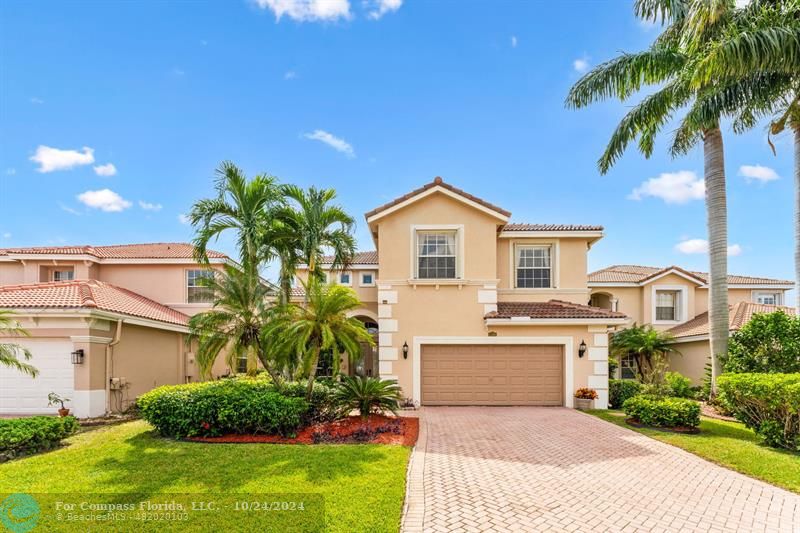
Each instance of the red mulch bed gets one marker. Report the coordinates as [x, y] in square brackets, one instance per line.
[379, 429]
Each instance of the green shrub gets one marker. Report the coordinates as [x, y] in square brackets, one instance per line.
[323, 406]
[620, 390]
[768, 343]
[211, 408]
[663, 412]
[680, 386]
[769, 404]
[368, 395]
[19, 436]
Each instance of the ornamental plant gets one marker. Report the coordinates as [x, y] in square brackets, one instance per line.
[586, 393]
[663, 412]
[768, 343]
[368, 395]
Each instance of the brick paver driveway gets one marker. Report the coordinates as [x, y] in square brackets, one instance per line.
[538, 468]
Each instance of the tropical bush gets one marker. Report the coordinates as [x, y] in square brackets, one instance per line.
[663, 412]
[20, 436]
[679, 385]
[585, 393]
[368, 395]
[768, 343]
[247, 406]
[322, 405]
[769, 404]
[648, 346]
[620, 390]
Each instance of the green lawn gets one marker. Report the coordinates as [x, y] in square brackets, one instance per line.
[362, 485]
[729, 444]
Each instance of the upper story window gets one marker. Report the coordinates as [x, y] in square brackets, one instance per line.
[533, 266]
[63, 275]
[196, 290]
[367, 279]
[667, 305]
[436, 255]
[344, 278]
[768, 298]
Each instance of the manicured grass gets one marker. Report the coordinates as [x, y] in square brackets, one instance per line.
[362, 485]
[728, 444]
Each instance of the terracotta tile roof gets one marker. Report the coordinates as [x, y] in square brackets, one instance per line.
[155, 250]
[361, 258]
[298, 292]
[740, 314]
[87, 294]
[550, 227]
[637, 274]
[551, 309]
[437, 181]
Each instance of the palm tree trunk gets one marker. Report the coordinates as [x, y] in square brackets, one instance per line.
[312, 373]
[717, 220]
[797, 217]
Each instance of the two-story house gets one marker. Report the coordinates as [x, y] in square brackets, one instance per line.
[676, 300]
[106, 323]
[472, 309]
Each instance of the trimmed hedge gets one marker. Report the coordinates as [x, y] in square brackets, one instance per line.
[620, 390]
[663, 412]
[769, 404]
[20, 436]
[247, 406]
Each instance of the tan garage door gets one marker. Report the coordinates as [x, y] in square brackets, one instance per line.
[478, 374]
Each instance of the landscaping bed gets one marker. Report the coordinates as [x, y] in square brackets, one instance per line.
[378, 429]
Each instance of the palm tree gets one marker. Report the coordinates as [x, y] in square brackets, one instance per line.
[242, 205]
[235, 324]
[317, 225]
[648, 346]
[9, 352]
[322, 324]
[683, 63]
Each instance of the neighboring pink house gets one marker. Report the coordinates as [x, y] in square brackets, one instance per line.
[123, 309]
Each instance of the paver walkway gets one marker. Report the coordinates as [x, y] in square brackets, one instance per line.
[555, 469]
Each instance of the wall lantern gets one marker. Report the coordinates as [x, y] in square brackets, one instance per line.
[77, 357]
[405, 350]
[582, 349]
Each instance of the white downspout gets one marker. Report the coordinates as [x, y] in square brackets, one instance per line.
[109, 362]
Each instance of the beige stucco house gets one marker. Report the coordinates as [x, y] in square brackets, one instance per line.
[676, 300]
[106, 323]
[468, 308]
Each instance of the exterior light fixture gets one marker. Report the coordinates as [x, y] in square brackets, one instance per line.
[405, 350]
[582, 349]
[77, 357]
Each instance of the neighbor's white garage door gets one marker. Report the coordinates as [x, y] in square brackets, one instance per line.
[21, 394]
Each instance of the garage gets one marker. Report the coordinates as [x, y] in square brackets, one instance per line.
[23, 395]
[493, 374]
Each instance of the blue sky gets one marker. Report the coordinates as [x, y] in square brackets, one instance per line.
[372, 98]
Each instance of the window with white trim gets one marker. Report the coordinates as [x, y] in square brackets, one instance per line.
[667, 308]
[197, 291]
[344, 278]
[367, 279]
[768, 298]
[627, 367]
[436, 255]
[533, 267]
[63, 275]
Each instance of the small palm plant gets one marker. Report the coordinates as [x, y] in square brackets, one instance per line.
[10, 353]
[648, 346]
[368, 395]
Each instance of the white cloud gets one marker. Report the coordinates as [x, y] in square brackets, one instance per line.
[514, 41]
[338, 144]
[36, 101]
[71, 211]
[672, 187]
[104, 200]
[289, 75]
[742, 3]
[700, 246]
[382, 7]
[52, 159]
[147, 206]
[581, 64]
[105, 170]
[307, 10]
[758, 173]
[7, 235]
[183, 219]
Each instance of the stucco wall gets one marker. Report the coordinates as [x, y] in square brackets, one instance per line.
[692, 361]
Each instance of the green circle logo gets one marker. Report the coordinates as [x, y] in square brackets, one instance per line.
[19, 513]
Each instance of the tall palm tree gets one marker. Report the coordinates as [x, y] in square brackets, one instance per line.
[678, 61]
[235, 323]
[241, 205]
[320, 325]
[317, 225]
[10, 353]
